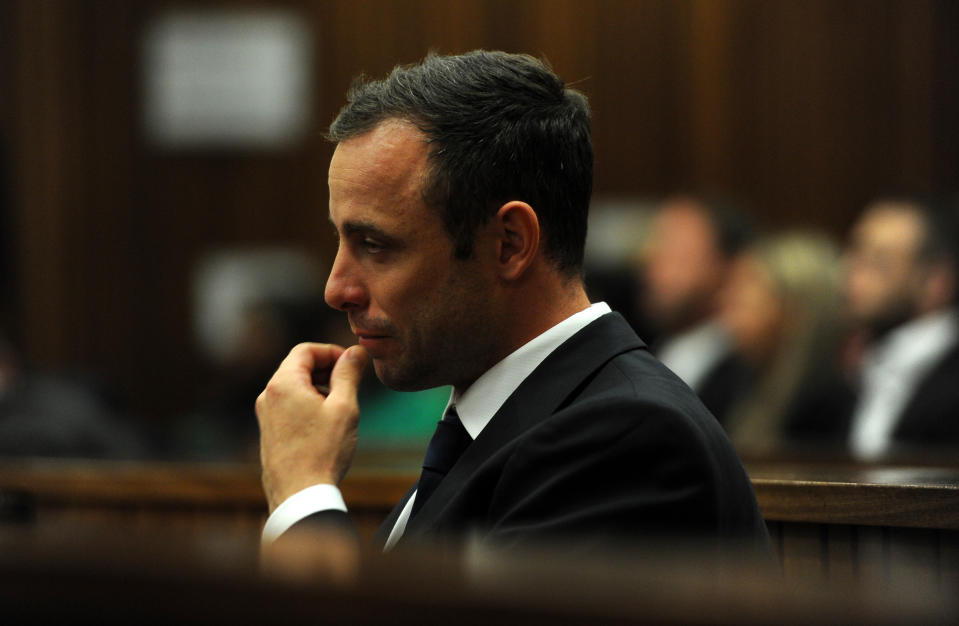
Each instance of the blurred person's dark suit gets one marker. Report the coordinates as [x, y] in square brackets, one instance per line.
[932, 415]
[727, 382]
[53, 416]
[930, 419]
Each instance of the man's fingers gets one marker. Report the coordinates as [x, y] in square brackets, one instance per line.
[347, 373]
[312, 355]
[307, 358]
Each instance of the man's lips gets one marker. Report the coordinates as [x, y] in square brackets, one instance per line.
[371, 340]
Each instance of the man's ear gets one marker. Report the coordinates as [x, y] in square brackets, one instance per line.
[518, 238]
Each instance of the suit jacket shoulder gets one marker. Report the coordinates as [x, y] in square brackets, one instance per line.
[600, 442]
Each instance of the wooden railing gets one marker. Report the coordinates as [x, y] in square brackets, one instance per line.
[828, 522]
[869, 524]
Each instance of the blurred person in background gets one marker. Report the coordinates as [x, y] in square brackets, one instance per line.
[223, 426]
[51, 414]
[900, 289]
[781, 309]
[685, 266]
[45, 414]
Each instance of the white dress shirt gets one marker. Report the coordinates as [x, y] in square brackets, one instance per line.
[892, 370]
[691, 355]
[475, 407]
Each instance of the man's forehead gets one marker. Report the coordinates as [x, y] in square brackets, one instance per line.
[682, 215]
[393, 153]
[377, 178]
[892, 225]
[685, 220]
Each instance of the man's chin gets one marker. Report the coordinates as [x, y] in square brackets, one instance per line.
[394, 378]
[881, 324]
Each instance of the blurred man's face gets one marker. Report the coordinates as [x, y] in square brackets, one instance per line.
[883, 275]
[684, 270]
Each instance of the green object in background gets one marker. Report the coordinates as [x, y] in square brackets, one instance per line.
[399, 419]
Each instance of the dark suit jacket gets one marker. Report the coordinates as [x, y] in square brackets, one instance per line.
[931, 416]
[601, 443]
[726, 383]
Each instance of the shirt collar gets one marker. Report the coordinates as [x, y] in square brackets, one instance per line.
[693, 353]
[917, 343]
[477, 405]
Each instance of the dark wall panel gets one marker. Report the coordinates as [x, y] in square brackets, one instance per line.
[803, 109]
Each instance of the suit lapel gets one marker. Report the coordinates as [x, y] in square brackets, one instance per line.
[548, 388]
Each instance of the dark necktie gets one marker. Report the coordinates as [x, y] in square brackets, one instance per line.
[448, 443]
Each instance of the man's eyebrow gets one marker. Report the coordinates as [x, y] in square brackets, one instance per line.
[364, 228]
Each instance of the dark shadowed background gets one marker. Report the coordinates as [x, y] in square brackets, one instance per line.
[804, 110]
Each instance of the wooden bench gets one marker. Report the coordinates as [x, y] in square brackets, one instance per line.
[828, 522]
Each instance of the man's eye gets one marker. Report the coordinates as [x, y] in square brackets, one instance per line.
[372, 246]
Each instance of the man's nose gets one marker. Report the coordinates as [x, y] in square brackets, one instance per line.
[345, 290]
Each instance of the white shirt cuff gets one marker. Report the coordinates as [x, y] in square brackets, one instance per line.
[300, 505]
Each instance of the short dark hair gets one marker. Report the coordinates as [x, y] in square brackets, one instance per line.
[731, 227]
[500, 127]
[941, 240]
[734, 231]
[940, 229]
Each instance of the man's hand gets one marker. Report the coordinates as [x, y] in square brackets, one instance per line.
[308, 438]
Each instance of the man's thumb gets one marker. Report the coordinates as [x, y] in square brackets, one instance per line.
[348, 371]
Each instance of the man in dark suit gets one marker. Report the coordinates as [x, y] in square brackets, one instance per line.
[686, 264]
[459, 190]
[901, 286]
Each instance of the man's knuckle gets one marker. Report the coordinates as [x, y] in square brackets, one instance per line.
[305, 346]
[345, 407]
[273, 392]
